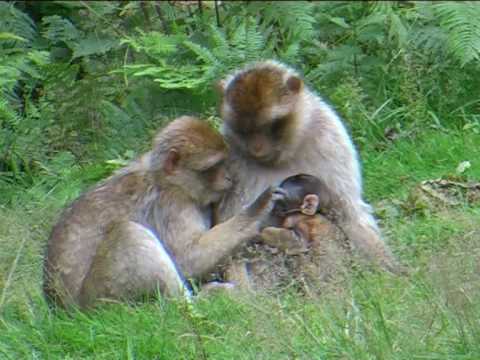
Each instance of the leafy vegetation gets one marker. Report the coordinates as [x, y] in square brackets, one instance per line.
[83, 85]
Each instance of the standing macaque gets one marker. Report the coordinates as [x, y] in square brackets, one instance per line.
[277, 127]
[312, 252]
[147, 228]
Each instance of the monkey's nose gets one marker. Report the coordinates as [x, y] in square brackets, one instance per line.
[257, 150]
[254, 148]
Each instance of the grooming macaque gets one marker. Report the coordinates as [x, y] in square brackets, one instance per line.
[276, 127]
[309, 250]
[147, 227]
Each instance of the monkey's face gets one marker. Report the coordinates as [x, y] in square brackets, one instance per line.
[192, 156]
[215, 178]
[258, 110]
[204, 177]
[264, 141]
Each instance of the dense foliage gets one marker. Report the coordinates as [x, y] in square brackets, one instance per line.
[77, 76]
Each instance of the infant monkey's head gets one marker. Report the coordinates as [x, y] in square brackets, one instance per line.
[304, 194]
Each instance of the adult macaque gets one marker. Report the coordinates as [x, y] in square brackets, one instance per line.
[277, 127]
[145, 226]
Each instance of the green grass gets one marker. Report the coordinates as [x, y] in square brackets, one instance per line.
[395, 170]
[431, 314]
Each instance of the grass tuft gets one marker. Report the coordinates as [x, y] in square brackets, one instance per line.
[430, 314]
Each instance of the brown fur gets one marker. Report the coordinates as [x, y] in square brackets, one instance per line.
[320, 258]
[298, 133]
[145, 227]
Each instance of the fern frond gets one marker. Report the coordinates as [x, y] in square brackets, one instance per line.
[294, 17]
[59, 29]
[461, 20]
[254, 40]
[16, 22]
[7, 114]
[219, 41]
[290, 54]
[93, 45]
[190, 77]
[302, 13]
[247, 43]
[8, 77]
[155, 44]
[202, 53]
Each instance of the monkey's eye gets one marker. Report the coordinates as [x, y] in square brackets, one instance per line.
[278, 125]
[244, 132]
[280, 208]
[214, 167]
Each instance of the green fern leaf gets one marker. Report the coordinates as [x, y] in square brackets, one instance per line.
[59, 29]
[10, 36]
[202, 53]
[16, 22]
[93, 46]
[461, 21]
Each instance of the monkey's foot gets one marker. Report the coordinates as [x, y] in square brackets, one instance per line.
[216, 286]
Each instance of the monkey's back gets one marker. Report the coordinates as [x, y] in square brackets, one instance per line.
[81, 227]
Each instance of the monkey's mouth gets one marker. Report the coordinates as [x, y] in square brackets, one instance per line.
[285, 213]
[264, 158]
[291, 211]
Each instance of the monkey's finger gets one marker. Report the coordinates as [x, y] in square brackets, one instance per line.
[278, 194]
[261, 203]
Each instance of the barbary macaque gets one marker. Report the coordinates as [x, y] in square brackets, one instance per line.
[148, 227]
[277, 127]
[311, 255]
[304, 196]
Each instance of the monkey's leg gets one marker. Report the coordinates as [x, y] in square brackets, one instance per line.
[131, 261]
[285, 240]
[361, 229]
[237, 274]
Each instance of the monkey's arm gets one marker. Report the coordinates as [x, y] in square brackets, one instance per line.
[208, 249]
[204, 250]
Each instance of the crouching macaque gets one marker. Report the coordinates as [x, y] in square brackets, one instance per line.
[277, 127]
[147, 227]
[307, 250]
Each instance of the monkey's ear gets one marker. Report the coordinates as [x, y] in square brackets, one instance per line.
[220, 86]
[310, 204]
[171, 161]
[294, 84]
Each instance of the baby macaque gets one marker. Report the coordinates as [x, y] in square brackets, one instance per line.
[311, 254]
[304, 197]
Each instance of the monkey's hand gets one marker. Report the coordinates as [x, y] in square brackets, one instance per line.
[261, 208]
[285, 240]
